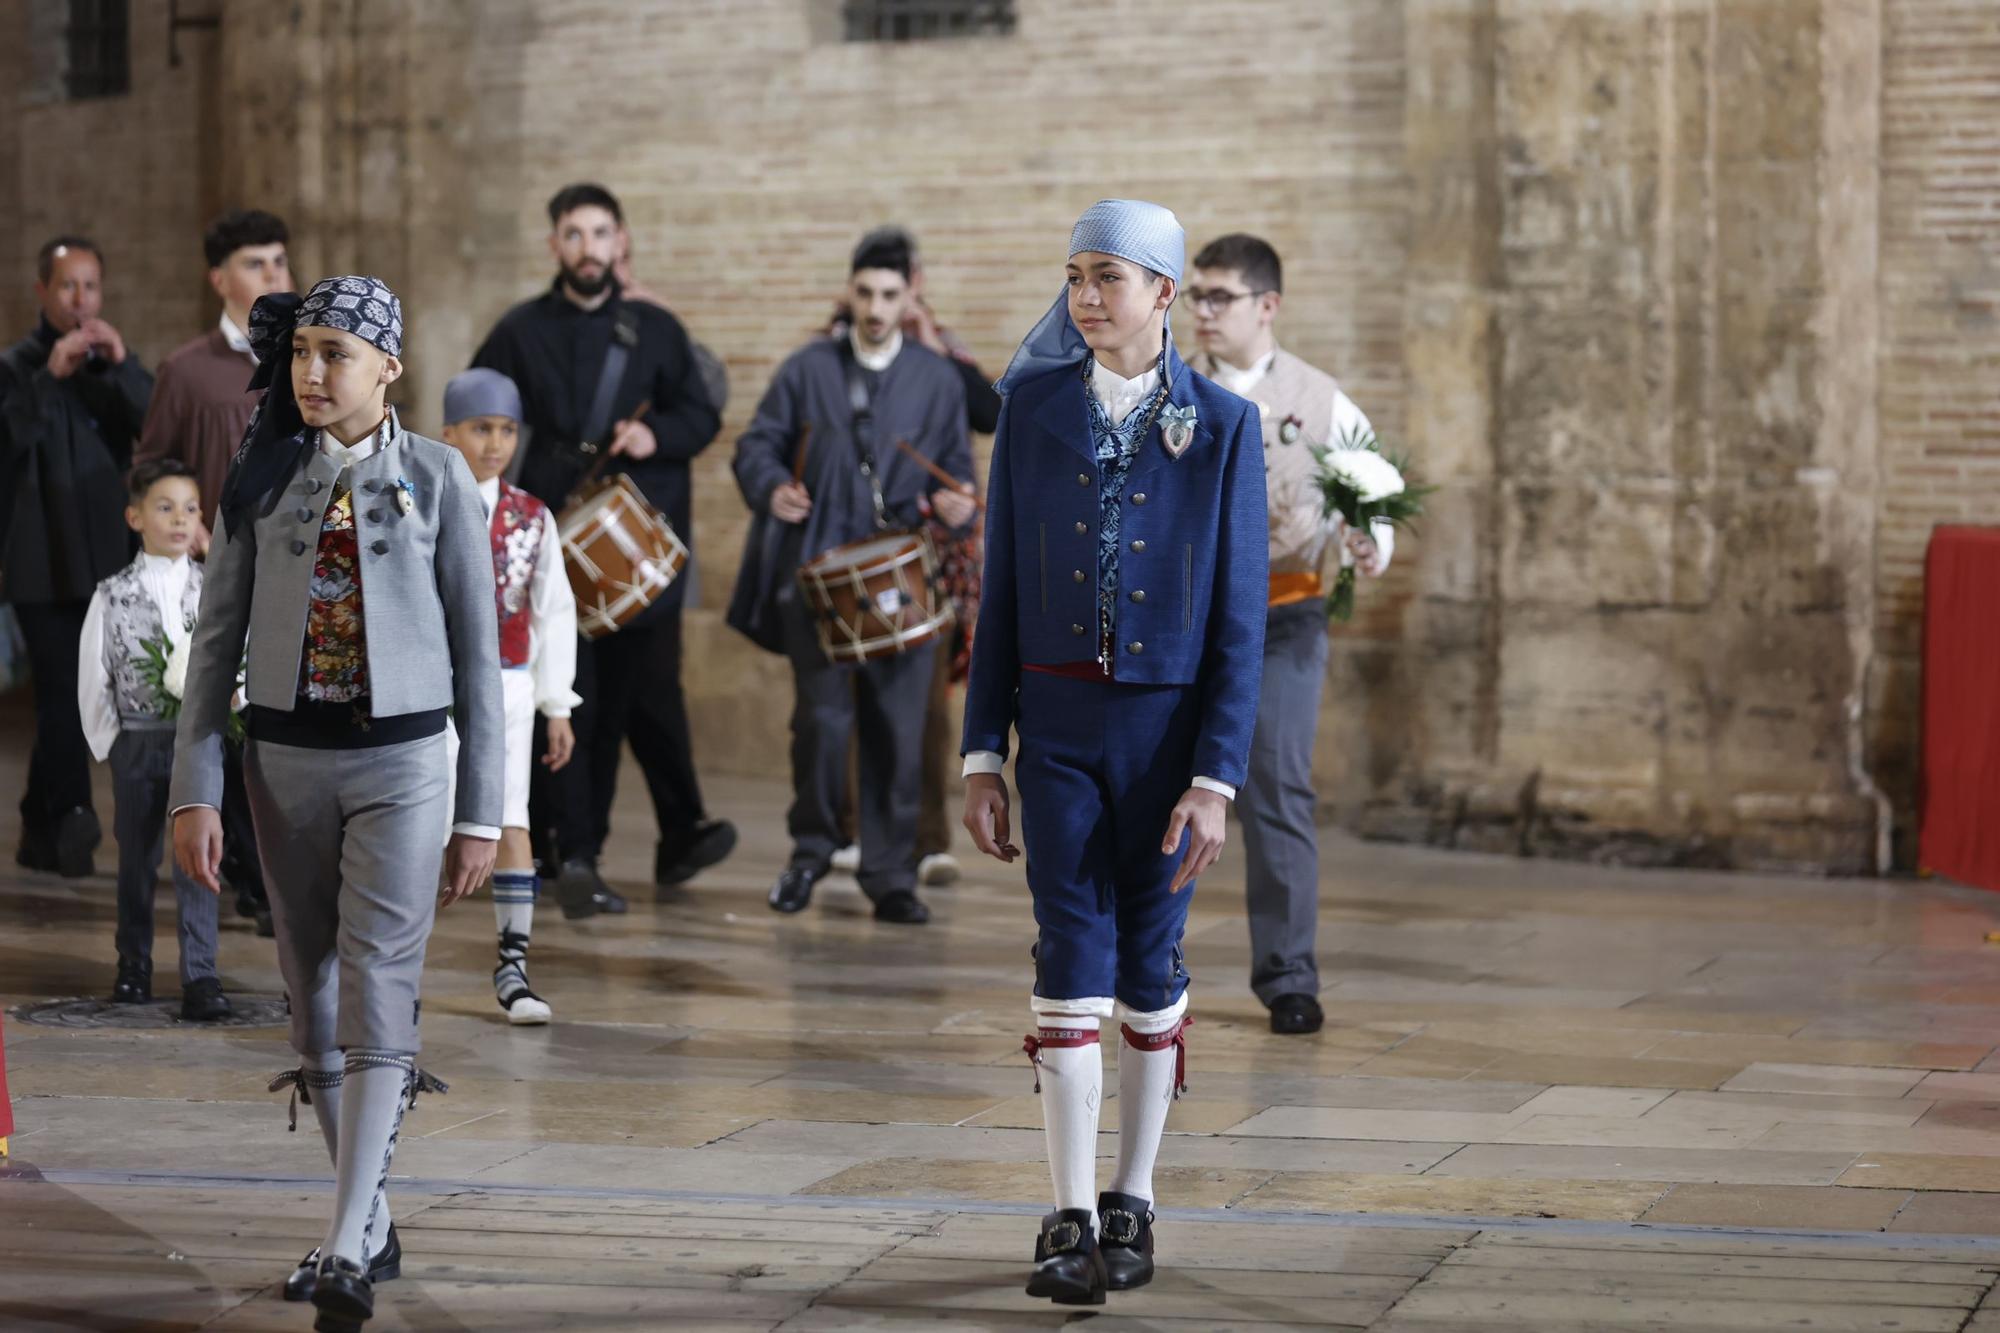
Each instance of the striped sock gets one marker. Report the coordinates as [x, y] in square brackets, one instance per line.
[514, 894]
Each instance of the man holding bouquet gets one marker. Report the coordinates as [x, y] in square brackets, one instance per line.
[1235, 289]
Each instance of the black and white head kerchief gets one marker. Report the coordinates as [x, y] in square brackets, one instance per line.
[356, 304]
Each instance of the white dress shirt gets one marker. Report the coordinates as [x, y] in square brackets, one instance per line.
[1347, 420]
[551, 618]
[238, 340]
[165, 577]
[1119, 397]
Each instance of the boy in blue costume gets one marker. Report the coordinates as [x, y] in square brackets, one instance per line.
[1121, 637]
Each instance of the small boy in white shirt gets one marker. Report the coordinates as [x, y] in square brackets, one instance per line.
[129, 663]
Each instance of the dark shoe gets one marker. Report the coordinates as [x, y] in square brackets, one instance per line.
[384, 1267]
[267, 929]
[681, 858]
[1125, 1235]
[1069, 1268]
[793, 890]
[1296, 1015]
[202, 1001]
[902, 908]
[77, 837]
[343, 1295]
[582, 892]
[36, 852]
[134, 984]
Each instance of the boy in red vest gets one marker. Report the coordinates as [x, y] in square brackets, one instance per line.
[537, 610]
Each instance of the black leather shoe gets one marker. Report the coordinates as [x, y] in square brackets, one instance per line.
[384, 1267]
[77, 837]
[134, 984]
[1125, 1235]
[681, 858]
[902, 908]
[202, 1001]
[1296, 1015]
[1069, 1268]
[36, 852]
[343, 1295]
[582, 892]
[793, 890]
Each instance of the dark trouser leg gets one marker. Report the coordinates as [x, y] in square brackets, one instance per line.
[889, 715]
[239, 831]
[571, 791]
[940, 749]
[621, 668]
[1276, 807]
[59, 764]
[138, 812]
[823, 708]
[658, 727]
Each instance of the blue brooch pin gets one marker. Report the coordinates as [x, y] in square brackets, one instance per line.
[406, 496]
[1177, 428]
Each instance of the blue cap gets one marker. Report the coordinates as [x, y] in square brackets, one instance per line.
[480, 392]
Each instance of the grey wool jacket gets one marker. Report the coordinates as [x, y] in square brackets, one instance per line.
[427, 608]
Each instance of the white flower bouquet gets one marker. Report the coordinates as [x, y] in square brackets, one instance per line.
[1362, 484]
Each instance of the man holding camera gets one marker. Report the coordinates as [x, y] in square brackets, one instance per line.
[72, 399]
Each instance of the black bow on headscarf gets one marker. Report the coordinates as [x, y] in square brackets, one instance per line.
[276, 438]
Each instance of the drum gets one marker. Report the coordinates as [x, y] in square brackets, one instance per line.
[620, 552]
[876, 598]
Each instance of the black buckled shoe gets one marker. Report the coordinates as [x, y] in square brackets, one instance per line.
[134, 984]
[1296, 1015]
[679, 859]
[386, 1266]
[1069, 1268]
[794, 889]
[343, 1295]
[77, 836]
[902, 908]
[583, 892]
[1125, 1235]
[202, 1001]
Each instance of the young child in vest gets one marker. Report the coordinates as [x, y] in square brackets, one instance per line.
[351, 558]
[1235, 289]
[537, 610]
[140, 620]
[1121, 636]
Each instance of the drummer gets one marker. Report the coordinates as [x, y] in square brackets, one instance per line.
[849, 403]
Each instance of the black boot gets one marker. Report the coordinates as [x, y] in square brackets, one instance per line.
[1125, 1234]
[134, 984]
[202, 1001]
[343, 1295]
[1069, 1268]
[384, 1267]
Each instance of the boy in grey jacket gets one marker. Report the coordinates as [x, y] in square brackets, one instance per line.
[352, 557]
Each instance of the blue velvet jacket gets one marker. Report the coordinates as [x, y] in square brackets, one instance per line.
[1193, 561]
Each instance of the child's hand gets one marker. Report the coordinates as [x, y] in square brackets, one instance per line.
[986, 815]
[562, 743]
[1199, 816]
[468, 863]
[198, 845]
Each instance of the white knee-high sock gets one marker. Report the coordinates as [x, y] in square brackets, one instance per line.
[371, 1114]
[1152, 1067]
[514, 894]
[324, 1075]
[1070, 1077]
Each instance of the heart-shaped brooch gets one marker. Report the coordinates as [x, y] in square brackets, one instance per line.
[1177, 428]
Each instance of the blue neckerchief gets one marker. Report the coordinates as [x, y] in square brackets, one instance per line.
[1117, 446]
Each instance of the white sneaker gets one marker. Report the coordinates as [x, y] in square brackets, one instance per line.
[847, 860]
[937, 869]
[528, 1011]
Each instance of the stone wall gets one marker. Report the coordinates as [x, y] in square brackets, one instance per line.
[1686, 303]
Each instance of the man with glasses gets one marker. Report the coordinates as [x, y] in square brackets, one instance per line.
[1235, 289]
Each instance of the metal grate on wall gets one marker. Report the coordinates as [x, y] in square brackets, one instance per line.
[926, 20]
[100, 48]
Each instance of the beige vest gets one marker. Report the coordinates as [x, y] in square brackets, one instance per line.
[1295, 393]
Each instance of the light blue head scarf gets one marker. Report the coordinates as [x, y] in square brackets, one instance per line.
[1145, 234]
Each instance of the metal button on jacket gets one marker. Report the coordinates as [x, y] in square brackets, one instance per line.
[305, 514]
[379, 547]
[1139, 547]
[1083, 479]
[298, 548]
[1076, 629]
[1138, 594]
[1077, 575]
[1082, 528]
[1139, 499]
[1135, 647]
[312, 485]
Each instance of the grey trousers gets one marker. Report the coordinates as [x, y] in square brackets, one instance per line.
[142, 763]
[881, 706]
[351, 852]
[1276, 806]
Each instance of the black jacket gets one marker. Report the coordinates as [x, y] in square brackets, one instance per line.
[65, 446]
[553, 350]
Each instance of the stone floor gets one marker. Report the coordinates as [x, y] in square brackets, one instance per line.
[1549, 1097]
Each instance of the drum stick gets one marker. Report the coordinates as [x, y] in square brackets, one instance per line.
[799, 459]
[604, 456]
[953, 482]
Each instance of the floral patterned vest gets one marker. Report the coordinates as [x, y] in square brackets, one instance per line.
[519, 528]
[131, 617]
